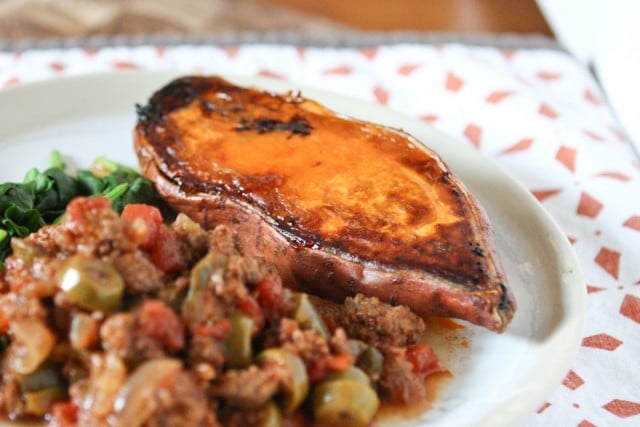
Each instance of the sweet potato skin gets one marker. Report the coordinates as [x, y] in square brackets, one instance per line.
[308, 260]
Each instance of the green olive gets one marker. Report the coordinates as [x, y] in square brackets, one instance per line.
[238, 352]
[351, 373]
[91, 283]
[371, 361]
[47, 375]
[345, 403]
[209, 269]
[271, 416]
[38, 402]
[307, 316]
[295, 386]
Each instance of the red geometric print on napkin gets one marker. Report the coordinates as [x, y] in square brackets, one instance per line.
[57, 66]
[231, 51]
[602, 342]
[609, 260]
[473, 133]
[548, 75]
[591, 289]
[508, 53]
[633, 223]
[595, 136]
[542, 195]
[546, 110]
[11, 81]
[408, 69]
[381, 95]
[497, 96]
[585, 423]
[544, 406]
[302, 52]
[272, 74]
[615, 175]
[429, 118]
[567, 156]
[522, 145]
[453, 83]
[589, 206]
[630, 308]
[161, 51]
[623, 408]
[572, 381]
[369, 52]
[340, 70]
[125, 65]
[592, 97]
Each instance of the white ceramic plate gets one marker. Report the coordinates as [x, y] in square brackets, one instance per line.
[502, 377]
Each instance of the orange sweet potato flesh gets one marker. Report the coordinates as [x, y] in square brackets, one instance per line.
[339, 205]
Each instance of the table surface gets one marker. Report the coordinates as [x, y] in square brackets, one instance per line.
[27, 19]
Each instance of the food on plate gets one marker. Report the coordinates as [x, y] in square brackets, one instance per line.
[339, 205]
[111, 319]
[42, 196]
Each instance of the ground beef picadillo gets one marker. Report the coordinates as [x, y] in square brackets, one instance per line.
[124, 320]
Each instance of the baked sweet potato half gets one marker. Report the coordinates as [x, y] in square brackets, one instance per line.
[340, 206]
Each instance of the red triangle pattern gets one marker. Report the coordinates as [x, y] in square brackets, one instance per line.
[543, 407]
[572, 381]
[271, 74]
[542, 195]
[633, 223]
[593, 289]
[408, 69]
[623, 408]
[57, 66]
[474, 134]
[302, 52]
[630, 307]
[453, 83]
[567, 156]
[340, 70]
[522, 145]
[615, 175]
[508, 54]
[125, 65]
[585, 423]
[161, 51]
[498, 95]
[546, 111]
[429, 118]
[590, 96]
[589, 206]
[602, 342]
[12, 81]
[593, 135]
[548, 75]
[609, 260]
[369, 52]
[381, 95]
[231, 51]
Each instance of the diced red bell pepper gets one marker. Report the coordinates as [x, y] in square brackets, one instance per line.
[145, 222]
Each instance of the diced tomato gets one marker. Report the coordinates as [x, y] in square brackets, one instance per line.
[144, 221]
[423, 359]
[165, 252]
[250, 308]
[63, 414]
[269, 292]
[75, 215]
[339, 362]
[218, 330]
[317, 369]
[159, 321]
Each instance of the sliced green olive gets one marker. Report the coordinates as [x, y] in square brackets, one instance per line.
[209, 269]
[238, 352]
[307, 316]
[38, 402]
[46, 376]
[295, 386]
[91, 283]
[271, 416]
[24, 250]
[371, 361]
[351, 373]
[345, 403]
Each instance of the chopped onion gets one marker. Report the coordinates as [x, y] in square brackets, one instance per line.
[31, 344]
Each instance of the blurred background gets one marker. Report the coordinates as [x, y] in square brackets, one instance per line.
[21, 19]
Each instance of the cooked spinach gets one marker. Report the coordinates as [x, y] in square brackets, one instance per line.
[42, 197]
